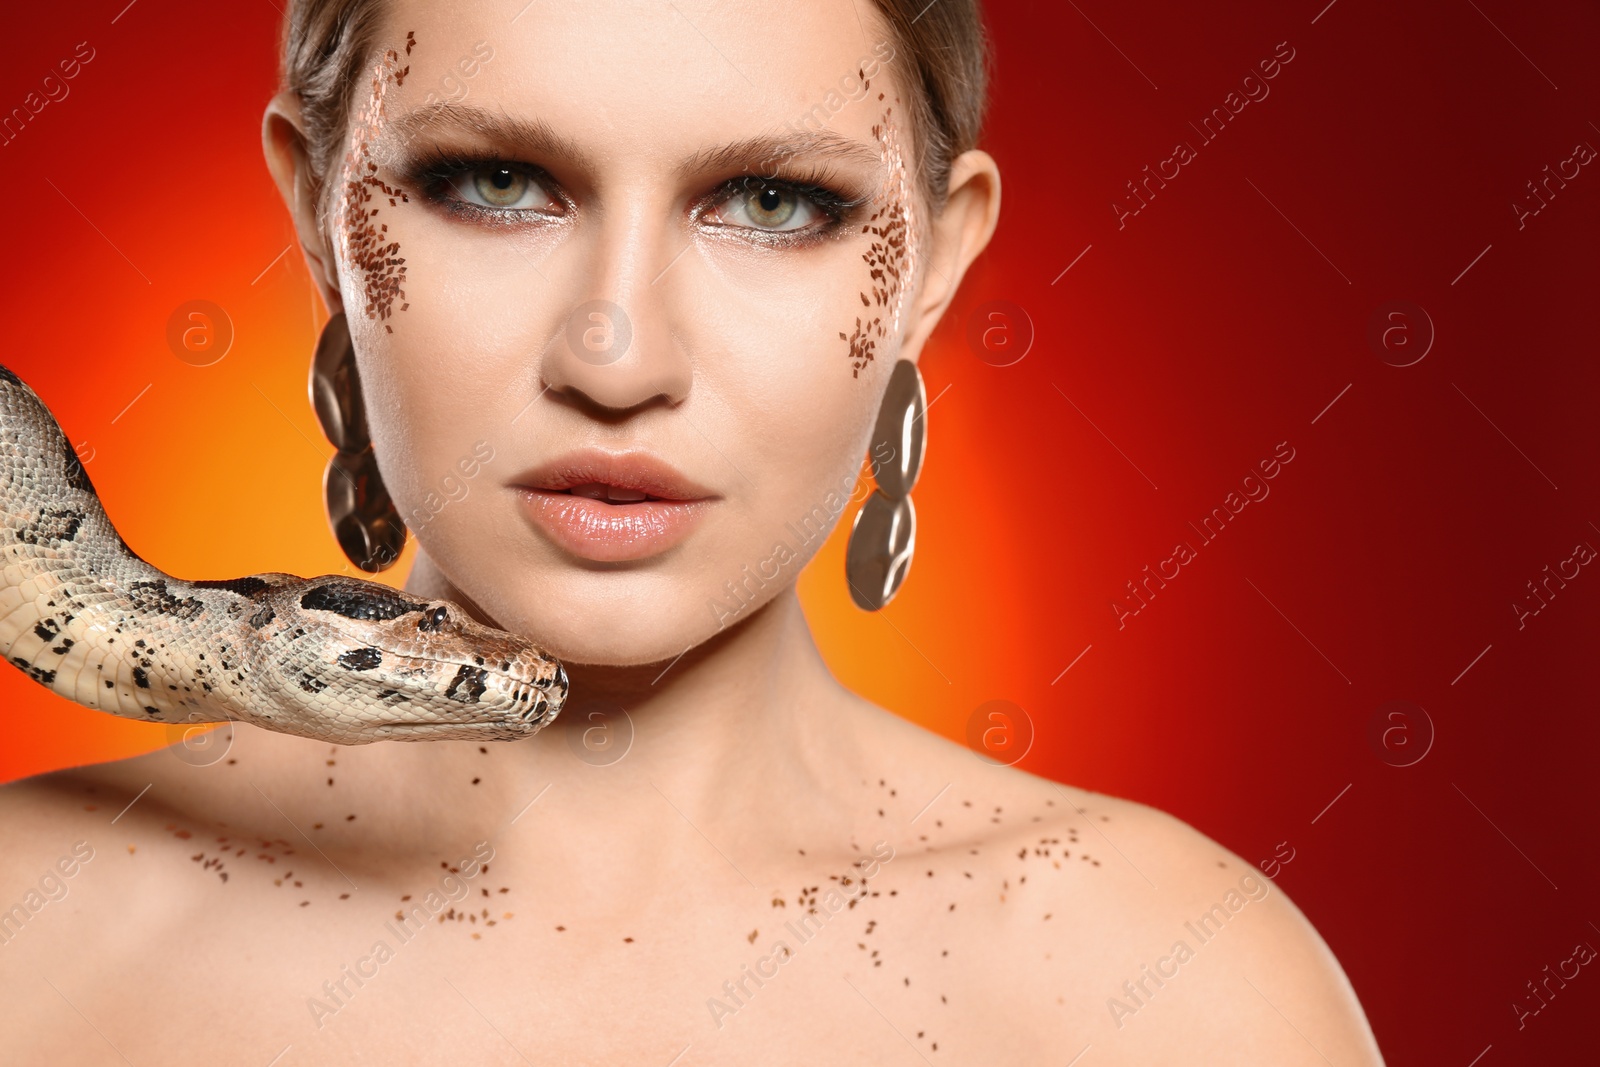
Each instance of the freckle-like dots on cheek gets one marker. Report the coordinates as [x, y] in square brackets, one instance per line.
[889, 257]
[363, 240]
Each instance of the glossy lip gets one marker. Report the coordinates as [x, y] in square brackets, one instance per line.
[608, 532]
[639, 471]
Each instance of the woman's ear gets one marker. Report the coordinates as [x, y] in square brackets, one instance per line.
[962, 230]
[284, 143]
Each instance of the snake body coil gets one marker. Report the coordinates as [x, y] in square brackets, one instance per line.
[332, 657]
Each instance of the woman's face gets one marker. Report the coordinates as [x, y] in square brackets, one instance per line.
[606, 242]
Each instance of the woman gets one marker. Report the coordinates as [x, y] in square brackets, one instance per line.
[657, 276]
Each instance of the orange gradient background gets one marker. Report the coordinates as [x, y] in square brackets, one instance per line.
[1178, 351]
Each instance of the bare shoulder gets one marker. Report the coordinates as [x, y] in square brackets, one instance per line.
[1196, 948]
[68, 852]
[1125, 928]
[39, 816]
[96, 825]
[1216, 954]
[49, 812]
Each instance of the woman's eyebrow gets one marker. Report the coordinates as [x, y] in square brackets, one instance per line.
[768, 149]
[525, 136]
[538, 138]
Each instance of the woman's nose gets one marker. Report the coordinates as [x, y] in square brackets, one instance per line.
[618, 348]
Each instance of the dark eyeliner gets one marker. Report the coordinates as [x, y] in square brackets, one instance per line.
[816, 185]
[436, 174]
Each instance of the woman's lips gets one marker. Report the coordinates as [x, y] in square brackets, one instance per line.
[612, 507]
[606, 532]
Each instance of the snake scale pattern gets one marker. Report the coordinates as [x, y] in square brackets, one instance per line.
[333, 658]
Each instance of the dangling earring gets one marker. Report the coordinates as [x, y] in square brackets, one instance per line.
[363, 518]
[884, 535]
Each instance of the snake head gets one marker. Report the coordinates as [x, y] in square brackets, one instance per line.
[371, 664]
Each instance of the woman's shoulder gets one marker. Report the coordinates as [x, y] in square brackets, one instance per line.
[80, 811]
[83, 862]
[120, 826]
[1126, 925]
[45, 809]
[93, 790]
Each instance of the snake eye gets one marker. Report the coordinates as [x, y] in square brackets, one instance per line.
[433, 619]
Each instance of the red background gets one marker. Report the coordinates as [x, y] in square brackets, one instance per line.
[1196, 337]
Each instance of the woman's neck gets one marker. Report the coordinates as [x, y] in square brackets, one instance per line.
[733, 734]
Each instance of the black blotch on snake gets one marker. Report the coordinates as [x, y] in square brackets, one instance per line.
[251, 587]
[358, 604]
[54, 524]
[43, 677]
[154, 596]
[468, 685]
[360, 659]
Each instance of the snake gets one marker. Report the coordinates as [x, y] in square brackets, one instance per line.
[332, 658]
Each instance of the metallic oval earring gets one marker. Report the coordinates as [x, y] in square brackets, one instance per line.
[883, 537]
[360, 512]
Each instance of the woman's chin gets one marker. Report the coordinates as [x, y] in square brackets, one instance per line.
[623, 639]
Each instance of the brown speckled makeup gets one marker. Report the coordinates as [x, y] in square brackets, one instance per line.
[908, 980]
[891, 258]
[363, 241]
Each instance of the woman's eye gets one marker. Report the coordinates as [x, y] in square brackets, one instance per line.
[771, 208]
[502, 188]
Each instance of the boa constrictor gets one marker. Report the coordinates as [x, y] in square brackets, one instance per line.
[333, 658]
